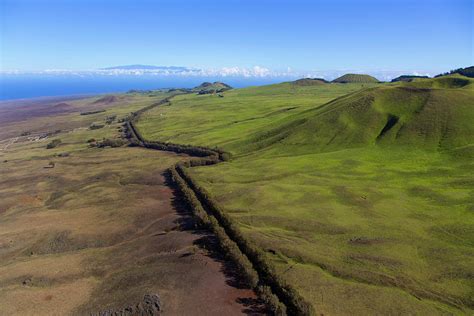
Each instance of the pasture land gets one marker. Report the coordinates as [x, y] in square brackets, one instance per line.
[86, 229]
[361, 195]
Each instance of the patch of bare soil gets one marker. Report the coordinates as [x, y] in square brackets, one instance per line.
[102, 232]
[177, 261]
[46, 115]
[22, 110]
[96, 238]
[106, 100]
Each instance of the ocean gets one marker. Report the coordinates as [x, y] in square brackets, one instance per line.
[18, 86]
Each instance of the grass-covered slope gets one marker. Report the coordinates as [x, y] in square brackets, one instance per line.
[364, 198]
[411, 115]
[214, 87]
[209, 120]
[408, 78]
[467, 71]
[355, 78]
[444, 82]
[309, 82]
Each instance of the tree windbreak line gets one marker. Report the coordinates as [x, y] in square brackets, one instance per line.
[258, 272]
[304, 180]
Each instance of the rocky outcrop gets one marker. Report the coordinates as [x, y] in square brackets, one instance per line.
[150, 305]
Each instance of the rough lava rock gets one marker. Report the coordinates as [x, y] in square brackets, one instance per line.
[150, 305]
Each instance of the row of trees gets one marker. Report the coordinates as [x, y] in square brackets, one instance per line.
[92, 112]
[258, 272]
[228, 246]
[468, 72]
[107, 142]
[295, 304]
[211, 156]
[53, 144]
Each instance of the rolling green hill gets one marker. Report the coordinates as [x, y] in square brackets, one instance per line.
[355, 78]
[445, 82]
[214, 87]
[358, 193]
[408, 78]
[467, 71]
[208, 120]
[431, 114]
[309, 81]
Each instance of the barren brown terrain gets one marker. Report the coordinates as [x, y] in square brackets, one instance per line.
[86, 230]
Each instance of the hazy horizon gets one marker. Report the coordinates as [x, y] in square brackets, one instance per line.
[24, 84]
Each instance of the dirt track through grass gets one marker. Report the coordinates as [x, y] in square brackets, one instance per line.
[9, 143]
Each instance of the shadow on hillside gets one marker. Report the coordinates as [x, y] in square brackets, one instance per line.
[209, 243]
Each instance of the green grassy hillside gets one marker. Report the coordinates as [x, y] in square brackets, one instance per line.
[214, 87]
[361, 196]
[355, 78]
[411, 115]
[408, 78]
[467, 71]
[211, 120]
[309, 82]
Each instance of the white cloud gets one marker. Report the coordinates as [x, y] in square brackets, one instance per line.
[237, 72]
[256, 71]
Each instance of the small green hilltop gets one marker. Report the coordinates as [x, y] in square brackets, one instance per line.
[309, 81]
[355, 78]
[467, 71]
[408, 78]
[210, 88]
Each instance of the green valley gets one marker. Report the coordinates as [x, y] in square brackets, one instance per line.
[360, 193]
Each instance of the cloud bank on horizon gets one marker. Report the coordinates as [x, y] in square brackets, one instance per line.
[224, 72]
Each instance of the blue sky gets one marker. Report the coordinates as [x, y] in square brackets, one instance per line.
[304, 35]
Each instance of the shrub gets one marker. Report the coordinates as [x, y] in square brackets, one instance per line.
[110, 119]
[53, 144]
[92, 112]
[96, 126]
[271, 300]
[225, 156]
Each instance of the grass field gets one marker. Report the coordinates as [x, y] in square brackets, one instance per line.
[364, 203]
[101, 228]
[225, 122]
